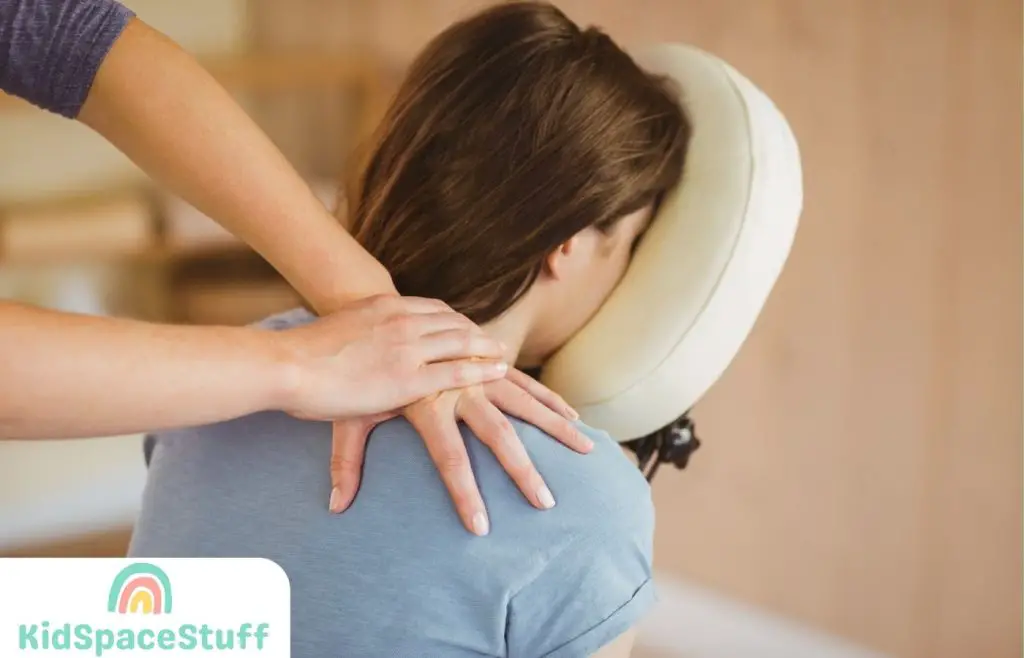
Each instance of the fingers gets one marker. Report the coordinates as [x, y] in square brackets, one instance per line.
[438, 334]
[348, 446]
[518, 402]
[458, 344]
[494, 430]
[542, 394]
[434, 378]
[435, 421]
[348, 450]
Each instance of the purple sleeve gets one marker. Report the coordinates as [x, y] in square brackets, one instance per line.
[50, 50]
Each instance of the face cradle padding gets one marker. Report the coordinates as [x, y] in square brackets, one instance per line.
[703, 272]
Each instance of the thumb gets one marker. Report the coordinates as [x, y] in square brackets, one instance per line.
[348, 448]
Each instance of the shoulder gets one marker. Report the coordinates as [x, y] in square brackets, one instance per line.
[604, 489]
[595, 581]
[603, 503]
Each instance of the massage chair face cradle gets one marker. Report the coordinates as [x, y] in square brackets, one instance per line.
[702, 273]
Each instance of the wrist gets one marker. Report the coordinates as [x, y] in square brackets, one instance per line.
[374, 282]
[282, 368]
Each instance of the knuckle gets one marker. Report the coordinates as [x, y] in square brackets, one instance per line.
[404, 358]
[473, 399]
[435, 304]
[522, 395]
[500, 433]
[569, 431]
[451, 461]
[382, 331]
[460, 374]
[525, 474]
[495, 390]
[503, 426]
[520, 468]
[385, 303]
[402, 328]
[432, 407]
[437, 404]
[343, 463]
[512, 395]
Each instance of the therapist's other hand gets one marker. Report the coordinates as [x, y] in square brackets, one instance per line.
[480, 407]
[382, 353]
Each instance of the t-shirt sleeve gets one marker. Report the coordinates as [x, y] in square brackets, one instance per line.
[591, 592]
[50, 50]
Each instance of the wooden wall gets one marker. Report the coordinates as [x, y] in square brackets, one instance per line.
[862, 468]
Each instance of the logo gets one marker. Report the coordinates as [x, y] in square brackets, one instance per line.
[140, 588]
[111, 607]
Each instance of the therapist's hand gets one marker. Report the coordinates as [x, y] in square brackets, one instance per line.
[480, 407]
[382, 353]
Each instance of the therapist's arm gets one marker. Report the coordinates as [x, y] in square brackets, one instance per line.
[92, 60]
[65, 376]
[219, 160]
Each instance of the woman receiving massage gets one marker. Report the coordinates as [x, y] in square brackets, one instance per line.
[515, 172]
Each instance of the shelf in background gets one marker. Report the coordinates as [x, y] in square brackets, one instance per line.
[120, 225]
[164, 259]
[274, 72]
[12, 103]
[107, 223]
[284, 71]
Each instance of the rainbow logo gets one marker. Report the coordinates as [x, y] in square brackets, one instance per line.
[140, 588]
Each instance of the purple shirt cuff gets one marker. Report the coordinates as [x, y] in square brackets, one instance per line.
[50, 50]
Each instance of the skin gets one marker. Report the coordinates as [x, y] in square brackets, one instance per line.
[621, 647]
[64, 375]
[106, 376]
[577, 278]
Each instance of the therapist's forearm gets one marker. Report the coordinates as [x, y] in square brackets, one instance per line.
[61, 378]
[161, 108]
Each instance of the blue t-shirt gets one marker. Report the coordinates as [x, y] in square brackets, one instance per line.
[397, 575]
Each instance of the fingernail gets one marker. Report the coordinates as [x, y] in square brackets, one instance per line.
[547, 501]
[502, 367]
[335, 504]
[587, 442]
[480, 525]
[572, 413]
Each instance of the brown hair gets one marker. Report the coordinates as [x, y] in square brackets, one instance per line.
[513, 130]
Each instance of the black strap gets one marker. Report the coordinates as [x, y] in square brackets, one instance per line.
[672, 444]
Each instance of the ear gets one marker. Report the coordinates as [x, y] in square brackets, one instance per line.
[556, 265]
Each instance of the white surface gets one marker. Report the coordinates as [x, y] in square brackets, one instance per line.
[694, 622]
[223, 595]
[61, 489]
[700, 277]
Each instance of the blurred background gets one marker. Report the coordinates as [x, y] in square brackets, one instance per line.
[859, 492]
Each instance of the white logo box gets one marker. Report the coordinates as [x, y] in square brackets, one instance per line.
[151, 607]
